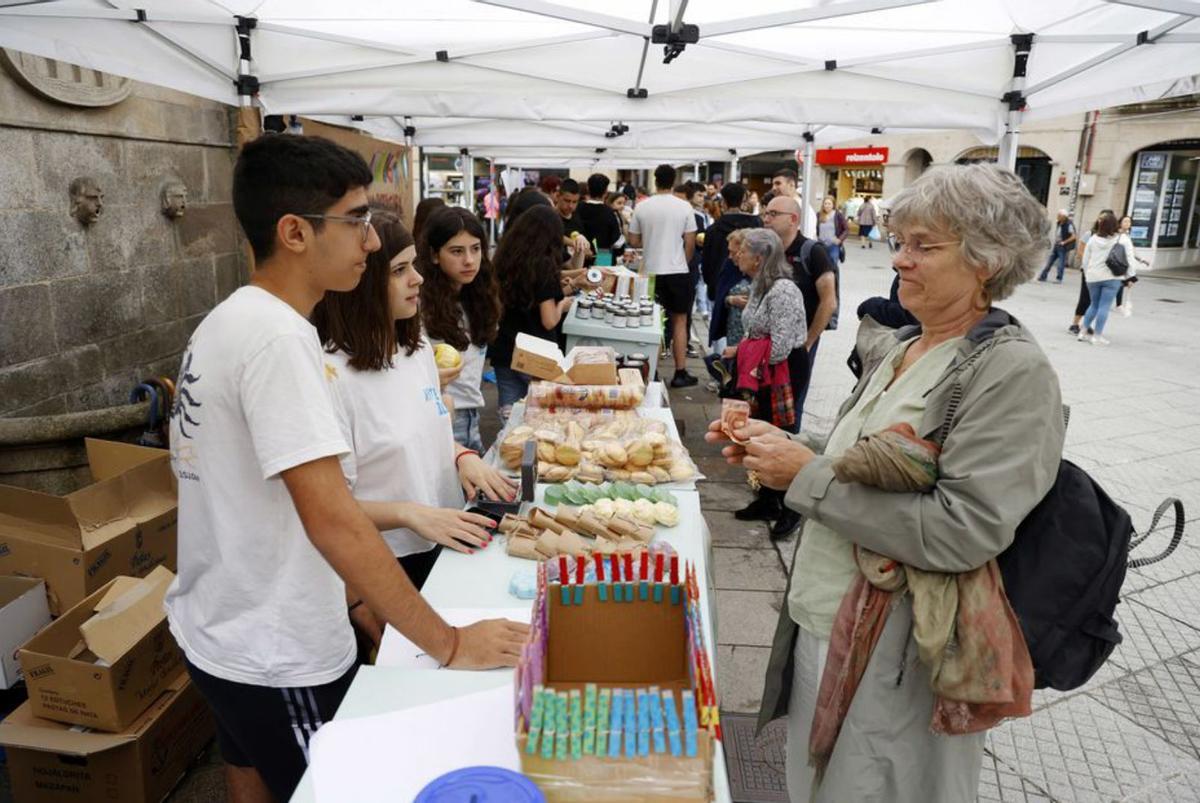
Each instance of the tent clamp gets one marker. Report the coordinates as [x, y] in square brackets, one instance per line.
[1143, 37]
[675, 41]
[410, 131]
[831, 65]
[808, 136]
[358, 118]
[876, 130]
[443, 56]
[635, 93]
[244, 26]
[1015, 99]
[247, 85]
[601, 150]
[141, 14]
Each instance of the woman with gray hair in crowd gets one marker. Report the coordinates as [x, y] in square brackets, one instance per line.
[775, 329]
[966, 237]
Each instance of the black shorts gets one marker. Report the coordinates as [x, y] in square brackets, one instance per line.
[270, 728]
[864, 229]
[675, 292]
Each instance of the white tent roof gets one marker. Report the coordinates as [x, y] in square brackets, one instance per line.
[504, 74]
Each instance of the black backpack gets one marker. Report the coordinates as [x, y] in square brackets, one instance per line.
[1117, 261]
[1064, 569]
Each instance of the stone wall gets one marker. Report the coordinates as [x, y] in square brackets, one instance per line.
[86, 312]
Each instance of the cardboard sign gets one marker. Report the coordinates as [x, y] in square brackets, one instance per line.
[124, 523]
[141, 764]
[103, 674]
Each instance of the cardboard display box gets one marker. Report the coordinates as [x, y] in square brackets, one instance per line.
[23, 612]
[611, 639]
[102, 663]
[542, 359]
[124, 523]
[50, 762]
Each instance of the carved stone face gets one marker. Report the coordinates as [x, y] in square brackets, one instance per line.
[87, 201]
[174, 200]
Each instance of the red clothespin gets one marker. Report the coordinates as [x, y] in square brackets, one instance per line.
[658, 567]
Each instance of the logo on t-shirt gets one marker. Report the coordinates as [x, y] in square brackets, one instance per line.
[182, 454]
[433, 395]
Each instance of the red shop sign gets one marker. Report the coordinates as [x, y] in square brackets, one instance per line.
[852, 157]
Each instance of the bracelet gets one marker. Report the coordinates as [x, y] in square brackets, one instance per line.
[453, 646]
[460, 456]
[355, 605]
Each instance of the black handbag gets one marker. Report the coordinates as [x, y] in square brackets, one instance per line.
[1118, 260]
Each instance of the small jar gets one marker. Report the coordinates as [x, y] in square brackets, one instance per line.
[583, 308]
[642, 366]
[610, 313]
[647, 315]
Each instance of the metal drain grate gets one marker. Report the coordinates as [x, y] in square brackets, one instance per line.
[755, 764]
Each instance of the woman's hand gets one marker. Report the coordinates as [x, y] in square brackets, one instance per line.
[737, 301]
[448, 375]
[735, 452]
[476, 475]
[456, 529]
[776, 459]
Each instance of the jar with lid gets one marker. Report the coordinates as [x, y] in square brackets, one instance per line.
[647, 315]
[583, 307]
[641, 365]
[610, 313]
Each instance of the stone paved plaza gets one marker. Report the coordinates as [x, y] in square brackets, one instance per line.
[1133, 733]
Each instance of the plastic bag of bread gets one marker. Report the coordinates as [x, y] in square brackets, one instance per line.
[617, 397]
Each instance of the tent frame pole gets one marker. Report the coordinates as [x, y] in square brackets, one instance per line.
[1014, 99]
[810, 154]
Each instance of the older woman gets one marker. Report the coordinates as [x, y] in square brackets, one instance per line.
[773, 317]
[966, 237]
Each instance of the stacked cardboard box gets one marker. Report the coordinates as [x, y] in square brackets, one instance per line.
[124, 523]
[110, 665]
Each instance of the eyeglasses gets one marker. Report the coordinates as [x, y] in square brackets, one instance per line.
[916, 250]
[361, 220]
[774, 213]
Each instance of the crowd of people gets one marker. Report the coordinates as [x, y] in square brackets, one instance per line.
[321, 416]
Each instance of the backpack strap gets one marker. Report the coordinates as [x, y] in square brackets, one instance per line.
[806, 248]
[1176, 536]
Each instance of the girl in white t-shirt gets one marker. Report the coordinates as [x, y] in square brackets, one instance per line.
[460, 305]
[392, 413]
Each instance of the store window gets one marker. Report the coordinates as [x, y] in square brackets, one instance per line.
[1162, 199]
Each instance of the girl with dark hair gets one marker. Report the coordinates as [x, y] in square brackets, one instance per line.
[460, 305]
[529, 259]
[1102, 283]
[392, 414]
[1085, 300]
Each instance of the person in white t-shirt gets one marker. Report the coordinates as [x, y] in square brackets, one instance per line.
[272, 546]
[460, 305]
[404, 467]
[665, 228]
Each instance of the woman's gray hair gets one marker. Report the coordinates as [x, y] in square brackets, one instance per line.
[766, 245]
[1001, 226]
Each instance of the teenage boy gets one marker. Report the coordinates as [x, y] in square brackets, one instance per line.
[272, 546]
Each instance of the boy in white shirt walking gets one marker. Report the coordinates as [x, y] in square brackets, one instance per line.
[272, 546]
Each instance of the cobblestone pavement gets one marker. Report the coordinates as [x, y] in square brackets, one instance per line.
[1133, 732]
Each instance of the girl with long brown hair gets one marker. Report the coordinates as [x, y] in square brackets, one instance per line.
[460, 305]
[392, 413]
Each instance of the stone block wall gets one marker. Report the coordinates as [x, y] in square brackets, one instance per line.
[86, 312]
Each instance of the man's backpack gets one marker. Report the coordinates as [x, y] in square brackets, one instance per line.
[806, 248]
[1064, 569]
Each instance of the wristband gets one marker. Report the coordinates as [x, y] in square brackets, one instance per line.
[460, 456]
[453, 646]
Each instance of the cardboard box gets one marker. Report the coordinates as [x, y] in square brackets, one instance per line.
[124, 523]
[49, 762]
[102, 663]
[543, 360]
[23, 612]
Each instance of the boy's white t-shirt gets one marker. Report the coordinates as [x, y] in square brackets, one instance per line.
[400, 435]
[662, 220]
[254, 601]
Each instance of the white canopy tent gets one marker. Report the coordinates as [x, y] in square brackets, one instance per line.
[686, 76]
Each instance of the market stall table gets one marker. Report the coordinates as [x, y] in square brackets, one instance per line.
[480, 582]
[595, 332]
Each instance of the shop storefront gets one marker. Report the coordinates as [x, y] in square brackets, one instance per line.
[1163, 205]
[853, 173]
